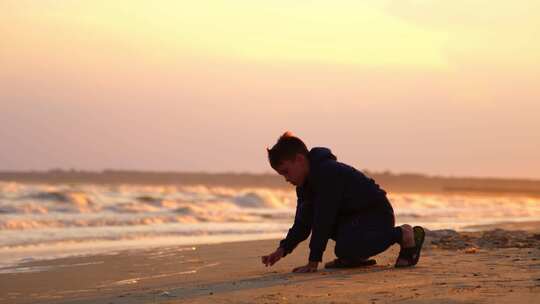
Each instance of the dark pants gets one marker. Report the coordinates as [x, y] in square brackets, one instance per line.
[366, 235]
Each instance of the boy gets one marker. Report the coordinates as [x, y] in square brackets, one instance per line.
[337, 201]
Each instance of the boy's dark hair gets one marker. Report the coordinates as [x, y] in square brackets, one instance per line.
[286, 148]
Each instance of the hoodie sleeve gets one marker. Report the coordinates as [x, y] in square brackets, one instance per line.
[329, 189]
[301, 227]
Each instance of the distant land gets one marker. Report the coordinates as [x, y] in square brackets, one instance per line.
[389, 181]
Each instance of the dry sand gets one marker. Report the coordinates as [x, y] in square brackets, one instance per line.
[497, 266]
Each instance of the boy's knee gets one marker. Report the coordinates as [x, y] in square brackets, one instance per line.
[344, 249]
[339, 251]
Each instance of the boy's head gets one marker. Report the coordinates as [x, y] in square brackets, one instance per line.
[289, 157]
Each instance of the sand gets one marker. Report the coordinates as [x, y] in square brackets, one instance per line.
[492, 266]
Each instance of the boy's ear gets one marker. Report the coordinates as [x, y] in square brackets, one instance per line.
[300, 156]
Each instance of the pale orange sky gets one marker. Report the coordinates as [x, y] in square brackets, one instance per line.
[429, 86]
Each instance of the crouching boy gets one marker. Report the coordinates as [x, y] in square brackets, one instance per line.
[336, 201]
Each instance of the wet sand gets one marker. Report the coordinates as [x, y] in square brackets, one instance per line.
[490, 266]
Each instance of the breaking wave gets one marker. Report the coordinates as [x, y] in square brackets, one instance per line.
[94, 210]
[25, 207]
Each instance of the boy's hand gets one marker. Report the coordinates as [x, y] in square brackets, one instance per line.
[273, 257]
[309, 267]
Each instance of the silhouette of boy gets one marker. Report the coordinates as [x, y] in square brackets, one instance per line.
[337, 201]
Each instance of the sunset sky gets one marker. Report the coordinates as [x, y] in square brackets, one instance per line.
[430, 86]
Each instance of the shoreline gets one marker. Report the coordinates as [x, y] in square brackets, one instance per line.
[496, 260]
[13, 259]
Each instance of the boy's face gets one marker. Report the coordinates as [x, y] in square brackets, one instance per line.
[295, 171]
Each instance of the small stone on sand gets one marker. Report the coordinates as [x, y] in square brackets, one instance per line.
[471, 250]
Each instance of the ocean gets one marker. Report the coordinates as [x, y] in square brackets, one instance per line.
[44, 221]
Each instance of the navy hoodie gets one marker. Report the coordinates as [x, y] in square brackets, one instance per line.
[332, 193]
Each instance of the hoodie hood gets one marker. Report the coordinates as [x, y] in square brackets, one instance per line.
[318, 155]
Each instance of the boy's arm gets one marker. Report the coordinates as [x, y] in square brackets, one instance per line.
[301, 227]
[329, 187]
